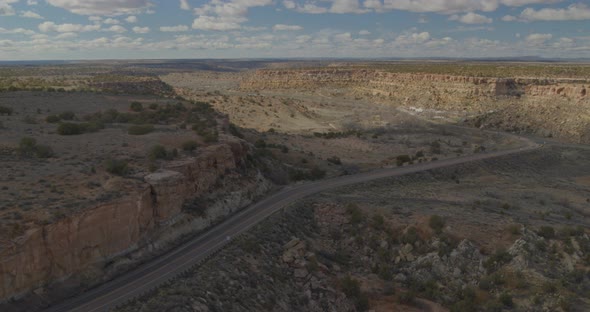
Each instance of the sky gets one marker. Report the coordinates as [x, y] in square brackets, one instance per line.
[167, 29]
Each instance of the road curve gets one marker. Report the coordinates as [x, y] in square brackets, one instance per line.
[164, 268]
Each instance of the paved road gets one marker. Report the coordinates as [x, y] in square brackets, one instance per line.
[164, 268]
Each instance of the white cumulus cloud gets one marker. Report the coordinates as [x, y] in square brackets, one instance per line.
[471, 18]
[141, 30]
[101, 7]
[67, 27]
[279, 27]
[536, 39]
[177, 28]
[184, 5]
[31, 14]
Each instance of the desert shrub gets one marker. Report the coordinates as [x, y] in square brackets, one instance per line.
[435, 147]
[44, 151]
[69, 128]
[410, 236]
[5, 111]
[407, 297]
[356, 214]
[140, 129]
[211, 137]
[116, 166]
[190, 145]
[196, 207]
[335, 160]
[316, 173]
[260, 143]
[378, 221]
[402, 159]
[547, 232]
[233, 129]
[28, 147]
[67, 115]
[437, 223]
[499, 258]
[29, 120]
[136, 106]
[52, 119]
[506, 299]
[157, 152]
[419, 154]
[351, 288]
[153, 106]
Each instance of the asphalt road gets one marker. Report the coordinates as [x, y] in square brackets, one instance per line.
[164, 268]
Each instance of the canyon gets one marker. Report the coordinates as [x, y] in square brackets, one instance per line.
[555, 107]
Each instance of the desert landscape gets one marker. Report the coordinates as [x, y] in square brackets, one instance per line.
[110, 168]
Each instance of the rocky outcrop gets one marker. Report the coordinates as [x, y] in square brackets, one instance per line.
[144, 215]
[548, 107]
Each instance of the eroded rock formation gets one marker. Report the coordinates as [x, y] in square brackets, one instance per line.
[53, 252]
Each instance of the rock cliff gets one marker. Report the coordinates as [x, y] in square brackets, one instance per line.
[149, 214]
[550, 107]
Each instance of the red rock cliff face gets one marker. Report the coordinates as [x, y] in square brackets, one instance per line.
[56, 251]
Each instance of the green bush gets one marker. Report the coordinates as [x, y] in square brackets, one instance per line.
[499, 258]
[335, 160]
[5, 110]
[140, 129]
[67, 115]
[411, 236]
[437, 223]
[506, 299]
[190, 145]
[158, 152]
[402, 159]
[28, 147]
[68, 128]
[44, 151]
[136, 106]
[260, 143]
[116, 166]
[356, 215]
[351, 288]
[52, 119]
[547, 232]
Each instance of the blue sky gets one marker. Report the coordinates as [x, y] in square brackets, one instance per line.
[119, 29]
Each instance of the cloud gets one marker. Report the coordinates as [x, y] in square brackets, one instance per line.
[31, 14]
[101, 7]
[63, 28]
[346, 6]
[184, 5]
[15, 31]
[364, 32]
[214, 23]
[141, 30]
[220, 16]
[111, 21]
[509, 18]
[131, 19]
[537, 39]
[68, 35]
[471, 18]
[32, 2]
[515, 3]
[279, 27]
[574, 12]
[441, 6]
[117, 29]
[6, 8]
[178, 28]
